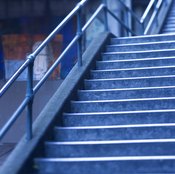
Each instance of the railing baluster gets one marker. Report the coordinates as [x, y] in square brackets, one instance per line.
[79, 33]
[29, 94]
[105, 15]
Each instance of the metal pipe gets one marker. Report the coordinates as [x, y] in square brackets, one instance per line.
[14, 77]
[105, 15]
[153, 17]
[99, 9]
[13, 118]
[29, 94]
[148, 9]
[129, 10]
[51, 69]
[79, 33]
[122, 23]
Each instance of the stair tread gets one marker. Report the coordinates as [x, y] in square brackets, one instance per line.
[134, 60]
[117, 126]
[126, 89]
[112, 142]
[108, 158]
[143, 43]
[131, 69]
[132, 78]
[124, 100]
[130, 52]
[122, 112]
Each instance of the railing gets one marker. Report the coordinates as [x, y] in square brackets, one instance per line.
[151, 12]
[29, 63]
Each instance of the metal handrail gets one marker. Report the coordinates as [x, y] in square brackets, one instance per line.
[148, 9]
[31, 91]
[156, 4]
[130, 11]
[28, 64]
[153, 17]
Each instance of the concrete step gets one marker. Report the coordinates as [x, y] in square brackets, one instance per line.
[133, 72]
[171, 25]
[168, 30]
[127, 93]
[110, 148]
[107, 165]
[118, 118]
[165, 32]
[143, 39]
[134, 63]
[123, 105]
[137, 82]
[171, 17]
[138, 54]
[142, 46]
[122, 132]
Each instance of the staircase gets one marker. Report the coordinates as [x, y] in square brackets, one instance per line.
[123, 120]
[169, 25]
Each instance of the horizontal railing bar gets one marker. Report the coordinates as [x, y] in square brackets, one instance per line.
[145, 14]
[122, 23]
[132, 13]
[14, 117]
[99, 9]
[153, 17]
[52, 68]
[14, 77]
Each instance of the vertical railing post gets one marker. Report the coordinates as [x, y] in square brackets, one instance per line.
[29, 94]
[105, 15]
[79, 33]
[126, 33]
[155, 9]
[143, 27]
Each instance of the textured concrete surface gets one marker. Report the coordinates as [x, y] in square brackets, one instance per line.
[5, 151]
[50, 113]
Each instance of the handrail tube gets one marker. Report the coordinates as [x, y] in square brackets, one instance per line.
[14, 117]
[75, 39]
[132, 13]
[122, 23]
[59, 27]
[56, 30]
[14, 77]
[99, 9]
[145, 14]
[158, 5]
[105, 16]
[51, 69]
[79, 33]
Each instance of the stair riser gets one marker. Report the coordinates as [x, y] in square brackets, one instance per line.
[106, 150]
[118, 119]
[168, 30]
[125, 94]
[142, 39]
[102, 134]
[138, 55]
[134, 64]
[132, 73]
[141, 47]
[108, 167]
[131, 83]
[81, 107]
